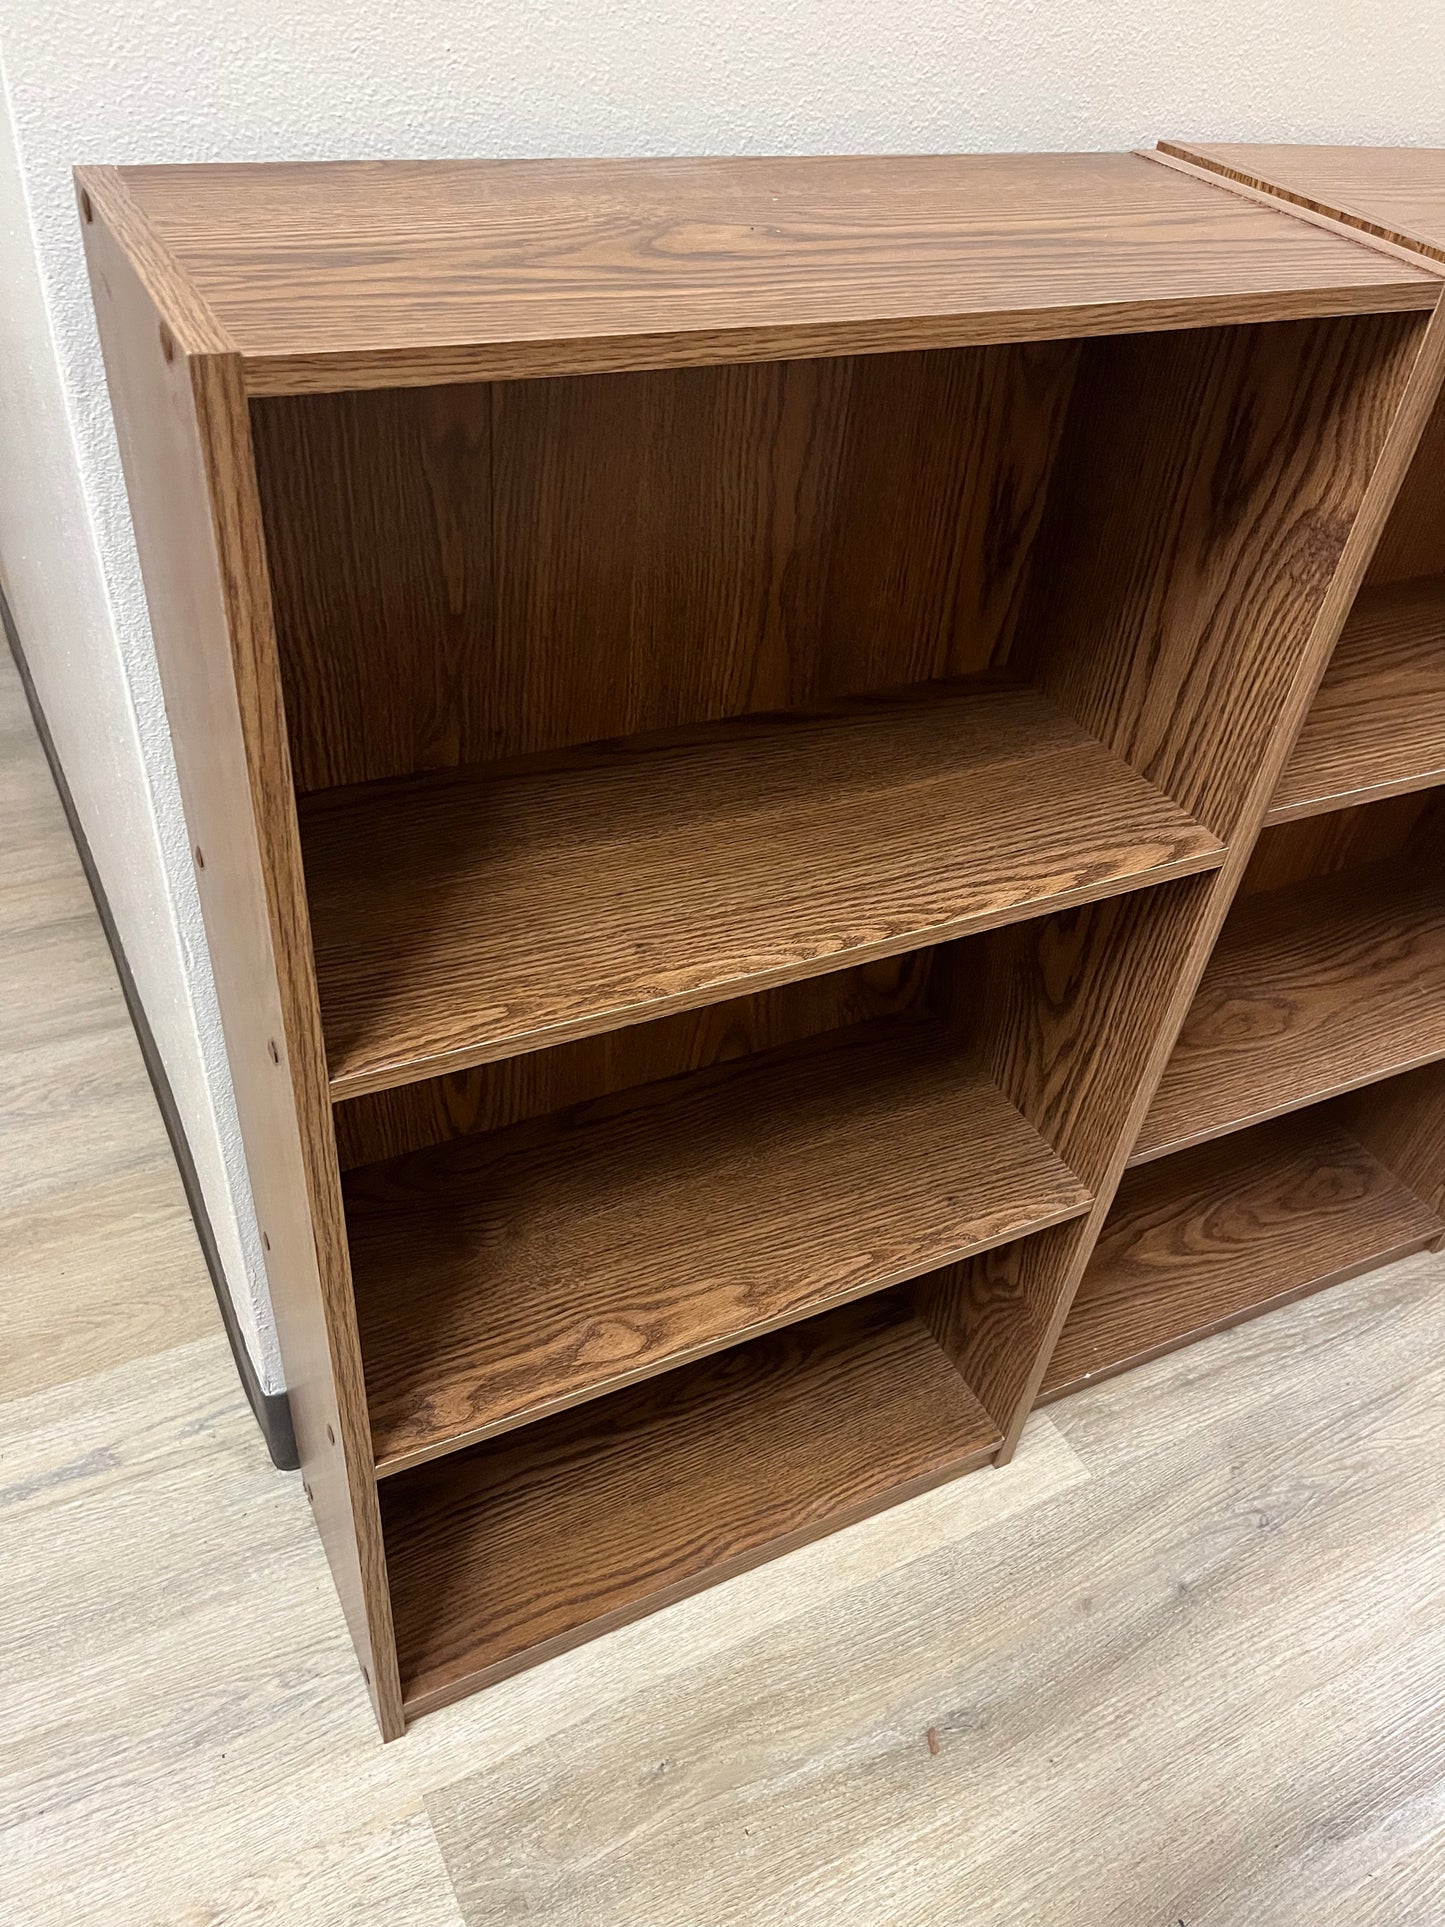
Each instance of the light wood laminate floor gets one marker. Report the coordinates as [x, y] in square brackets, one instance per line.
[1183, 1662]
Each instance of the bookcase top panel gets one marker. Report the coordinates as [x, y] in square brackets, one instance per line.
[1396, 192]
[327, 276]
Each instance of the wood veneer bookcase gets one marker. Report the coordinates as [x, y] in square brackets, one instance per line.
[721, 708]
[1298, 1135]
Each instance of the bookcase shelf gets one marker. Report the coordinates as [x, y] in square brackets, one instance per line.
[1316, 987]
[721, 707]
[1217, 1234]
[1377, 726]
[510, 1552]
[501, 1277]
[468, 916]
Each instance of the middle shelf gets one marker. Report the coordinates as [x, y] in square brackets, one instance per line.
[469, 915]
[505, 1276]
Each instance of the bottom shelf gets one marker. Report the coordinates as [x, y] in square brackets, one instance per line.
[1210, 1236]
[505, 1554]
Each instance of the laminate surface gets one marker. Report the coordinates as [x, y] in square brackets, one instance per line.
[1266, 1515]
[500, 1278]
[1313, 989]
[1395, 192]
[1215, 1234]
[183, 430]
[496, 569]
[468, 916]
[1247, 1588]
[346, 274]
[499, 1556]
[1377, 724]
[98, 1257]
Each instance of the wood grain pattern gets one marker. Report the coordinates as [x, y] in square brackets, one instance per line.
[501, 1278]
[1266, 197]
[1198, 515]
[1245, 1586]
[1377, 726]
[1413, 543]
[1338, 840]
[1312, 990]
[1074, 1013]
[1395, 403]
[1000, 1314]
[1219, 1233]
[347, 275]
[1397, 193]
[462, 918]
[464, 574]
[515, 1550]
[1402, 1121]
[489, 1097]
[1162, 530]
[183, 434]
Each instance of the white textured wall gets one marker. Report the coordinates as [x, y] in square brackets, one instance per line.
[157, 80]
[88, 648]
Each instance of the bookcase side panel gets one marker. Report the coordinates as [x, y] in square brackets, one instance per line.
[1208, 485]
[999, 1316]
[182, 428]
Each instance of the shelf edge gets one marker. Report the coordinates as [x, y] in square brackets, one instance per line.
[395, 1076]
[1356, 1268]
[460, 1442]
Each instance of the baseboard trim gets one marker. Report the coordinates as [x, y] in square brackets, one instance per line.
[272, 1409]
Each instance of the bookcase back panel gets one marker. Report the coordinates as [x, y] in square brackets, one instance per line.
[384, 1124]
[1323, 846]
[1208, 484]
[1074, 1010]
[470, 573]
[1329, 973]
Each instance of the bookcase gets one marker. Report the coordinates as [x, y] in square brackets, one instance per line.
[722, 707]
[1298, 1135]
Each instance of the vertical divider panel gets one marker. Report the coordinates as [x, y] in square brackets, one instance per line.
[181, 416]
[1134, 631]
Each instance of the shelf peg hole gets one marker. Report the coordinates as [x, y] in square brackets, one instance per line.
[266, 1240]
[366, 1674]
[87, 212]
[168, 343]
[307, 1490]
[330, 1436]
[275, 1053]
[200, 858]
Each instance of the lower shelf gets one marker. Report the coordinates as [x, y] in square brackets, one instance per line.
[1212, 1235]
[508, 1553]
